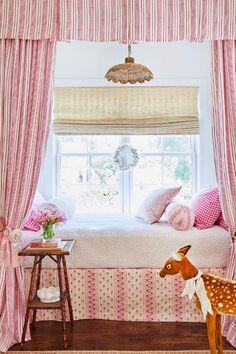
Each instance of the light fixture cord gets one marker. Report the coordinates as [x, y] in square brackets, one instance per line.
[129, 50]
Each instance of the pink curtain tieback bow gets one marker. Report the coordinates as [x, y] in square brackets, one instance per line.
[10, 245]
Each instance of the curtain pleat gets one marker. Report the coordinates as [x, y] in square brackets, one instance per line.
[26, 91]
[224, 141]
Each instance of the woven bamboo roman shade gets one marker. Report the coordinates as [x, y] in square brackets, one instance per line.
[126, 110]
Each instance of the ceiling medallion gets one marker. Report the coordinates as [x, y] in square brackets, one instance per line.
[129, 72]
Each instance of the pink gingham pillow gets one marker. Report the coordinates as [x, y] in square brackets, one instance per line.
[153, 206]
[179, 216]
[221, 222]
[30, 223]
[206, 207]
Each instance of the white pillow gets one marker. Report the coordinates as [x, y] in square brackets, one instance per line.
[66, 204]
[153, 206]
[38, 198]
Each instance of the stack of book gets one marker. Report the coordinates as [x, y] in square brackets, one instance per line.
[54, 245]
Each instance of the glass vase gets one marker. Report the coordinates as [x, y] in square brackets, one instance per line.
[48, 233]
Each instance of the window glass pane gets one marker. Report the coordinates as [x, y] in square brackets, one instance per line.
[178, 143]
[74, 170]
[105, 199]
[103, 143]
[73, 144]
[104, 171]
[146, 143]
[99, 185]
[177, 171]
[148, 171]
[80, 192]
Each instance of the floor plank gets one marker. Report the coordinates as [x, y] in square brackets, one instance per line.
[116, 335]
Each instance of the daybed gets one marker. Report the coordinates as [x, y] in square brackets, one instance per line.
[113, 269]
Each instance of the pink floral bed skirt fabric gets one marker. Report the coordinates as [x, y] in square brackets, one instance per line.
[123, 295]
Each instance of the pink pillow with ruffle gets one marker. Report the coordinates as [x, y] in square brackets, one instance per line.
[206, 207]
[179, 216]
[153, 206]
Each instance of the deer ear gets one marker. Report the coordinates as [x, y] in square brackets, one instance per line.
[184, 250]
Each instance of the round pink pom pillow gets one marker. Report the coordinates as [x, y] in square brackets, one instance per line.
[179, 216]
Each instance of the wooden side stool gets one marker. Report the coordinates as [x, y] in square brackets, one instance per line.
[34, 303]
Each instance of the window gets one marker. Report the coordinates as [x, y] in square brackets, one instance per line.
[85, 169]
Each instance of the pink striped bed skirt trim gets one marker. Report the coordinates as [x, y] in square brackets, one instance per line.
[124, 295]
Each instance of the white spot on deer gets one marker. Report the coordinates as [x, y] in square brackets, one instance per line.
[220, 304]
[228, 297]
[231, 311]
[213, 281]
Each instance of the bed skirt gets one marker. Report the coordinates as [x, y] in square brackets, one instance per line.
[123, 295]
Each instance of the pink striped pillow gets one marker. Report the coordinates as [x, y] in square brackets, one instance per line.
[179, 216]
[206, 207]
[153, 206]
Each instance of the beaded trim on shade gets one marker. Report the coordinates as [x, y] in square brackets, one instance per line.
[126, 110]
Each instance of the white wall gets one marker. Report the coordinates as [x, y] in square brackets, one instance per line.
[179, 63]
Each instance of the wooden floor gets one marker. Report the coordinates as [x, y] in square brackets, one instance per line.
[114, 335]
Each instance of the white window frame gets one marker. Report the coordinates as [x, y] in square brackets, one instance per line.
[126, 178]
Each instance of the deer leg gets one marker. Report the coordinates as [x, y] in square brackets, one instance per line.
[218, 334]
[211, 331]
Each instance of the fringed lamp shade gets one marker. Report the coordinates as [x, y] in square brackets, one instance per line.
[129, 72]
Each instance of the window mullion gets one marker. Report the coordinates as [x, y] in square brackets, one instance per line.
[58, 174]
[125, 185]
[89, 160]
[194, 164]
[131, 190]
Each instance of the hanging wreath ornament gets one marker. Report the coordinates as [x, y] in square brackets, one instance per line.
[126, 157]
[129, 72]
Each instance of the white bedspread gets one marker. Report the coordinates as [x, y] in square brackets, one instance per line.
[123, 241]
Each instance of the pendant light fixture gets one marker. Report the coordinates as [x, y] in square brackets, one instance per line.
[129, 72]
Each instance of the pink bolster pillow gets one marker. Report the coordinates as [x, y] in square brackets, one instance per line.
[179, 216]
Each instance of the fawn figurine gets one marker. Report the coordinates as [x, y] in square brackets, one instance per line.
[215, 296]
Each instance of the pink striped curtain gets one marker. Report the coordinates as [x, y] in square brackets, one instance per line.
[118, 20]
[224, 140]
[26, 89]
[146, 20]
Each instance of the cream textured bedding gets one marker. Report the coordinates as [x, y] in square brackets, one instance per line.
[123, 241]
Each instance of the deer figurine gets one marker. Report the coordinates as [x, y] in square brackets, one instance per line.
[215, 296]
